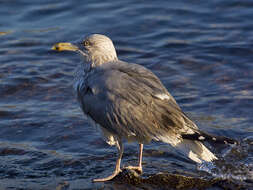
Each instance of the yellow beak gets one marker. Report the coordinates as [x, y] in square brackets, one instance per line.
[64, 47]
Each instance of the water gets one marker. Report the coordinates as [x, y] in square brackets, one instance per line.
[202, 52]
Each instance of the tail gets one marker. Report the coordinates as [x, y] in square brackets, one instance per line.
[196, 151]
[191, 145]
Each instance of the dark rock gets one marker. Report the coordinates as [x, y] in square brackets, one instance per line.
[175, 181]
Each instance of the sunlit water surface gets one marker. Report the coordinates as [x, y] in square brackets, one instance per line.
[202, 52]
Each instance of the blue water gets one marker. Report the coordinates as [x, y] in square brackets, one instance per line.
[202, 52]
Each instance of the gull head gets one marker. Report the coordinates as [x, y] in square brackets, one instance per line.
[97, 49]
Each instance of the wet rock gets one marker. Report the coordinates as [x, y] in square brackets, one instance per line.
[128, 176]
[175, 181]
[178, 181]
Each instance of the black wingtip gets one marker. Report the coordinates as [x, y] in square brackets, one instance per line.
[202, 136]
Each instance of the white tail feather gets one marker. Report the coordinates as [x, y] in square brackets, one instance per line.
[196, 151]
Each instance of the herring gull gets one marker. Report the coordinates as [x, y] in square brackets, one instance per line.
[129, 102]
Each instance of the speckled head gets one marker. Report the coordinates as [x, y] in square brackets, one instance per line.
[100, 49]
[96, 48]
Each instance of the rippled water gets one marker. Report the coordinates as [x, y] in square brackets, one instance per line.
[202, 51]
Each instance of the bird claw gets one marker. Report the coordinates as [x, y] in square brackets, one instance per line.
[138, 169]
[115, 173]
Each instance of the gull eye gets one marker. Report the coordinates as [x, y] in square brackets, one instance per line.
[86, 43]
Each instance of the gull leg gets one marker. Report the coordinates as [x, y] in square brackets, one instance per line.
[117, 167]
[139, 167]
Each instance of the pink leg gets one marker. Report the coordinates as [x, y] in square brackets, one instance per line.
[139, 167]
[117, 167]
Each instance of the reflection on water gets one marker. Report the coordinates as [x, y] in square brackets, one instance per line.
[201, 51]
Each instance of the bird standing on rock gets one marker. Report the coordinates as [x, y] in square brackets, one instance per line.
[129, 102]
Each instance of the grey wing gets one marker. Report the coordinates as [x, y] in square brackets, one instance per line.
[129, 101]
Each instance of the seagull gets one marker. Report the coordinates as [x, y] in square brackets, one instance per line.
[129, 102]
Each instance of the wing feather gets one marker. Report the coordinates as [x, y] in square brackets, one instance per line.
[124, 99]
